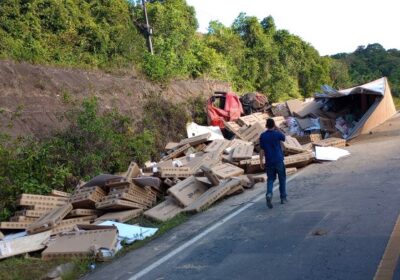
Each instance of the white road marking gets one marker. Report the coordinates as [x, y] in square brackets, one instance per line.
[200, 235]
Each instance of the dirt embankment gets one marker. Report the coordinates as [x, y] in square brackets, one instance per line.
[33, 97]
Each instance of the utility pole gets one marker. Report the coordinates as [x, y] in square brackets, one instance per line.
[149, 30]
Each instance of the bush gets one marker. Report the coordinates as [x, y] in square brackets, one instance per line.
[95, 142]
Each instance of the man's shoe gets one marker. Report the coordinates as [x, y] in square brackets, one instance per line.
[284, 200]
[269, 203]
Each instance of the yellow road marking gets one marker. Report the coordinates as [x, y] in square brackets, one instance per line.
[390, 257]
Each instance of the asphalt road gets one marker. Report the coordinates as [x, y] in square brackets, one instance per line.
[336, 225]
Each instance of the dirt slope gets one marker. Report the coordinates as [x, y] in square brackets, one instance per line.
[33, 97]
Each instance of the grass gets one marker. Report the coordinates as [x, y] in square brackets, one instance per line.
[28, 268]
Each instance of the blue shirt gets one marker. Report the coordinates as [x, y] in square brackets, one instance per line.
[270, 142]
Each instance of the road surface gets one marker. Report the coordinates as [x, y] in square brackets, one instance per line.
[337, 224]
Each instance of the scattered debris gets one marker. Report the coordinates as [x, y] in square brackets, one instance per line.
[24, 244]
[193, 173]
[98, 243]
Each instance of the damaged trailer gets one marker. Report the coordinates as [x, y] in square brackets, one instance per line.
[359, 109]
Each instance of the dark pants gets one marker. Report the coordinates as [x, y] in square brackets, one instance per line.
[272, 170]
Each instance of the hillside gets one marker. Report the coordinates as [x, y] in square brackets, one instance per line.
[34, 98]
[250, 54]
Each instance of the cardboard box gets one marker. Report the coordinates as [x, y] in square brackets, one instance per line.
[68, 225]
[310, 138]
[49, 203]
[49, 220]
[81, 244]
[235, 190]
[291, 170]
[188, 190]
[31, 213]
[117, 204]
[294, 105]
[309, 109]
[242, 152]
[227, 170]
[121, 216]
[331, 142]
[292, 146]
[23, 219]
[217, 146]
[234, 128]
[212, 195]
[299, 160]
[280, 109]
[92, 189]
[35, 197]
[164, 211]
[14, 225]
[60, 193]
[86, 200]
[136, 191]
[250, 120]
[175, 172]
[25, 244]
[252, 133]
[176, 153]
[196, 140]
[82, 212]
[133, 171]
[126, 196]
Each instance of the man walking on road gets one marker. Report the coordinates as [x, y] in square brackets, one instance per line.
[270, 143]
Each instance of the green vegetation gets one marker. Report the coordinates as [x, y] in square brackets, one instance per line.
[251, 54]
[372, 62]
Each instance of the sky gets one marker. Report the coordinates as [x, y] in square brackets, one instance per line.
[330, 26]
